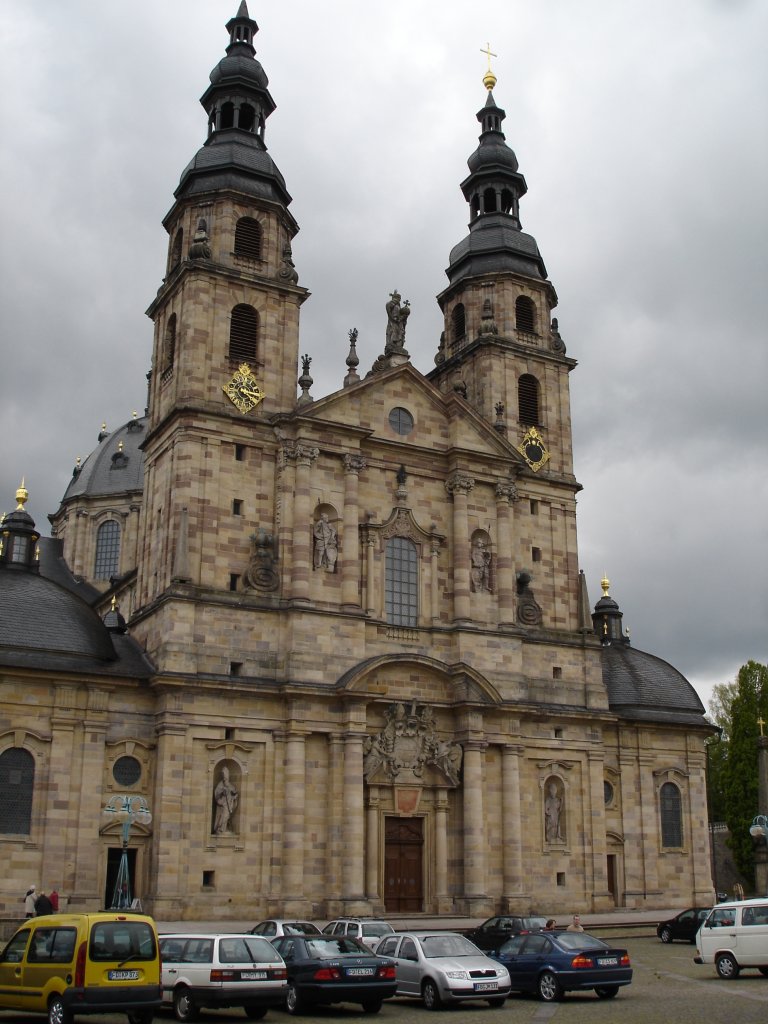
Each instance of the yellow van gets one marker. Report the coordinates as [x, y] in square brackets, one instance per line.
[67, 964]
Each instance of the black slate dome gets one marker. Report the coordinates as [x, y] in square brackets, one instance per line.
[239, 66]
[644, 687]
[116, 465]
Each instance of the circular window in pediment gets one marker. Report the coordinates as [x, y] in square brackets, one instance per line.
[401, 421]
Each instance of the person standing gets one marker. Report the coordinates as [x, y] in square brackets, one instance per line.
[29, 902]
[43, 905]
[53, 896]
[575, 925]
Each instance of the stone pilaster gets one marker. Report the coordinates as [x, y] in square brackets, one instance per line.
[458, 486]
[442, 897]
[353, 893]
[168, 812]
[594, 826]
[506, 496]
[350, 551]
[294, 840]
[372, 846]
[304, 456]
[511, 827]
[474, 826]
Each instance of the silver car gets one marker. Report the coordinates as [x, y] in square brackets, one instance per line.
[444, 967]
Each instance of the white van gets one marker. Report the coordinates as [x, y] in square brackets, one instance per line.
[734, 936]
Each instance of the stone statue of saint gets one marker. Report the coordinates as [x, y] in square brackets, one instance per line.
[226, 796]
[553, 806]
[326, 544]
[481, 566]
[397, 317]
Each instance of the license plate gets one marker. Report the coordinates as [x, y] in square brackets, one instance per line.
[122, 975]
[360, 972]
[253, 975]
[486, 986]
[608, 961]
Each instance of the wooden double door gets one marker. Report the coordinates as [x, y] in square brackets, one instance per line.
[403, 865]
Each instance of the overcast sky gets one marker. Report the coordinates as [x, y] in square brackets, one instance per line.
[640, 128]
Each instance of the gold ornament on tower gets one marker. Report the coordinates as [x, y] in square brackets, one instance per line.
[243, 390]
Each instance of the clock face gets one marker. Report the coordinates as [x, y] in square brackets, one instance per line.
[243, 390]
[533, 449]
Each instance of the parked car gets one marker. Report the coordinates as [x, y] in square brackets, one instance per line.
[735, 936]
[496, 930]
[550, 964]
[327, 969]
[368, 929]
[276, 927]
[66, 963]
[444, 967]
[682, 926]
[218, 971]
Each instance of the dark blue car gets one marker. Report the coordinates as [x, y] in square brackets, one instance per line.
[550, 964]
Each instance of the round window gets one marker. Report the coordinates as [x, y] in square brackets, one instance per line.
[126, 771]
[401, 421]
[607, 793]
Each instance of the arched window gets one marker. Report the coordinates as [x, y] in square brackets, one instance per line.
[670, 808]
[525, 314]
[227, 119]
[507, 201]
[248, 238]
[107, 550]
[243, 334]
[528, 400]
[458, 322]
[402, 582]
[246, 117]
[178, 243]
[17, 784]
[169, 344]
[489, 200]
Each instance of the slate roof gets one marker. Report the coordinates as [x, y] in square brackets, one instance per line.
[495, 244]
[646, 688]
[103, 474]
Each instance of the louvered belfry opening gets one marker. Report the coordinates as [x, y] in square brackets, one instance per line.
[248, 238]
[243, 334]
[528, 400]
[525, 314]
[458, 318]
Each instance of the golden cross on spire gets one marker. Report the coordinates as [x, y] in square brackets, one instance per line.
[489, 79]
[761, 723]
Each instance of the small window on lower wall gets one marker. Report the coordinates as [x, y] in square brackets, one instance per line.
[235, 668]
[209, 879]
[557, 672]
[561, 878]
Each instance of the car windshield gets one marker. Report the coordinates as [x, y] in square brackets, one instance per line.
[327, 947]
[448, 945]
[377, 928]
[579, 940]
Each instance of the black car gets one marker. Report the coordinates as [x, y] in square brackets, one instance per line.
[683, 926]
[326, 969]
[550, 964]
[496, 930]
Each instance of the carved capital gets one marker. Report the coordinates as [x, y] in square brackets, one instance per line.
[458, 482]
[506, 492]
[354, 463]
[301, 454]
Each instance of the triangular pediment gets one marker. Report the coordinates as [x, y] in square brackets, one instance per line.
[442, 423]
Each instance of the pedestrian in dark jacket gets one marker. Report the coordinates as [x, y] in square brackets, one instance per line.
[43, 905]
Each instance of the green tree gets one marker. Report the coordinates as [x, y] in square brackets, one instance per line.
[736, 707]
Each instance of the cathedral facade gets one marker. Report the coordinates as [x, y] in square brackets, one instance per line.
[339, 646]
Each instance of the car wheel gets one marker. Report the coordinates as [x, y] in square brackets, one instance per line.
[293, 1001]
[726, 966]
[497, 1001]
[184, 1005]
[372, 1005]
[58, 1013]
[607, 991]
[430, 995]
[549, 987]
[665, 935]
[254, 1012]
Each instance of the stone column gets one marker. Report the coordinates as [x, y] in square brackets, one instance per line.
[304, 456]
[511, 826]
[371, 604]
[293, 824]
[372, 846]
[506, 495]
[647, 799]
[441, 852]
[169, 816]
[335, 822]
[459, 485]
[474, 825]
[434, 589]
[595, 831]
[354, 833]
[350, 545]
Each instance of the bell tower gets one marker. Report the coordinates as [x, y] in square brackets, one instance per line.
[500, 348]
[226, 338]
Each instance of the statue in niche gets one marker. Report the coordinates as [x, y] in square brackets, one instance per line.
[326, 544]
[480, 573]
[225, 797]
[553, 809]
[397, 317]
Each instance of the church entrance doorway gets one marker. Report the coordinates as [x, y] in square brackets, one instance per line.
[403, 865]
[114, 856]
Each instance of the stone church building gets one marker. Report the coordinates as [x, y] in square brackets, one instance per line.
[340, 646]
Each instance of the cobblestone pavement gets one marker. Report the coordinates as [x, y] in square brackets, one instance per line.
[667, 988]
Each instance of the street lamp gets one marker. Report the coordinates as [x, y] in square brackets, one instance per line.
[125, 809]
[759, 827]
